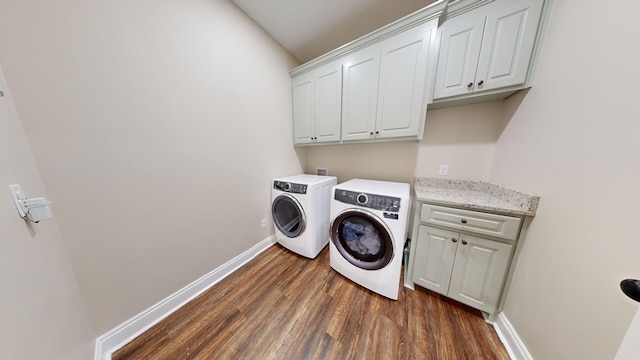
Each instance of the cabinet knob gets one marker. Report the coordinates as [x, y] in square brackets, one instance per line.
[377, 132]
[464, 242]
[371, 133]
[464, 221]
[454, 240]
[480, 82]
[470, 85]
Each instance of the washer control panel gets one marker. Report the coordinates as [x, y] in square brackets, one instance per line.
[290, 187]
[372, 201]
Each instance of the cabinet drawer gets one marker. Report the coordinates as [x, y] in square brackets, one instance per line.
[499, 226]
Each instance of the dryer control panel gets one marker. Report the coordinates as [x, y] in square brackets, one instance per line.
[290, 187]
[372, 201]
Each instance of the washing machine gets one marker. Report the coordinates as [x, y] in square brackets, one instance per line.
[368, 229]
[300, 210]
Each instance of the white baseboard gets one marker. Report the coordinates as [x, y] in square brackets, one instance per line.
[127, 331]
[515, 347]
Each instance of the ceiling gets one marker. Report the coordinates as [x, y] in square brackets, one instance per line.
[310, 28]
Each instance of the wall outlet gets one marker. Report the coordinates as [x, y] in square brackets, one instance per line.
[444, 170]
[263, 223]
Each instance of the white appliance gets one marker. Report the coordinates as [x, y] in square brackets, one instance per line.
[368, 230]
[300, 207]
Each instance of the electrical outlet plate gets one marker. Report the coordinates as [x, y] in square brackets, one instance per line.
[444, 170]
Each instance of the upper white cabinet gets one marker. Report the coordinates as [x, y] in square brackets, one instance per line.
[317, 105]
[488, 49]
[360, 96]
[375, 88]
[385, 86]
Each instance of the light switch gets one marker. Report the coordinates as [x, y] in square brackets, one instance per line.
[34, 209]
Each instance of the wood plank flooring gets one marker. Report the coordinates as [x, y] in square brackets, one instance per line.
[284, 306]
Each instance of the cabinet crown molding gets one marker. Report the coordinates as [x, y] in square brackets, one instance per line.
[457, 7]
[414, 19]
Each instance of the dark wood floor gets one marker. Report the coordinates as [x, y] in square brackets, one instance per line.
[284, 306]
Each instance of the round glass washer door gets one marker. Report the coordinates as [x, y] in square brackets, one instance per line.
[288, 215]
[362, 239]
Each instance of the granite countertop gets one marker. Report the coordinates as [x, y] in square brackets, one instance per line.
[475, 195]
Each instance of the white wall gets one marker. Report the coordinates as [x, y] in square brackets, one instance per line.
[43, 314]
[157, 127]
[574, 139]
[630, 346]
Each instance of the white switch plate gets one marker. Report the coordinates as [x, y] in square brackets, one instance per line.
[444, 169]
[263, 223]
[16, 194]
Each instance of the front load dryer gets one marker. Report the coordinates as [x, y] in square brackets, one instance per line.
[368, 229]
[300, 210]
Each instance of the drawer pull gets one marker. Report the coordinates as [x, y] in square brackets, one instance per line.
[464, 242]
[454, 240]
[463, 221]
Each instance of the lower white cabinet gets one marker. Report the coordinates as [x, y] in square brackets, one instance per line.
[465, 268]
[451, 259]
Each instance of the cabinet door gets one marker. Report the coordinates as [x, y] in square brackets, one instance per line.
[360, 75]
[404, 69]
[328, 98]
[303, 109]
[479, 272]
[509, 38]
[435, 254]
[460, 39]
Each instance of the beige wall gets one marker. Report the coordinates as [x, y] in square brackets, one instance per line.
[463, 137]
[157, 127]
[43, 314]
[389, 161]
[145, 117]
[574, 138]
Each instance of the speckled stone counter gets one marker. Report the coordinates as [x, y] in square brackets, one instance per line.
[475, 195]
